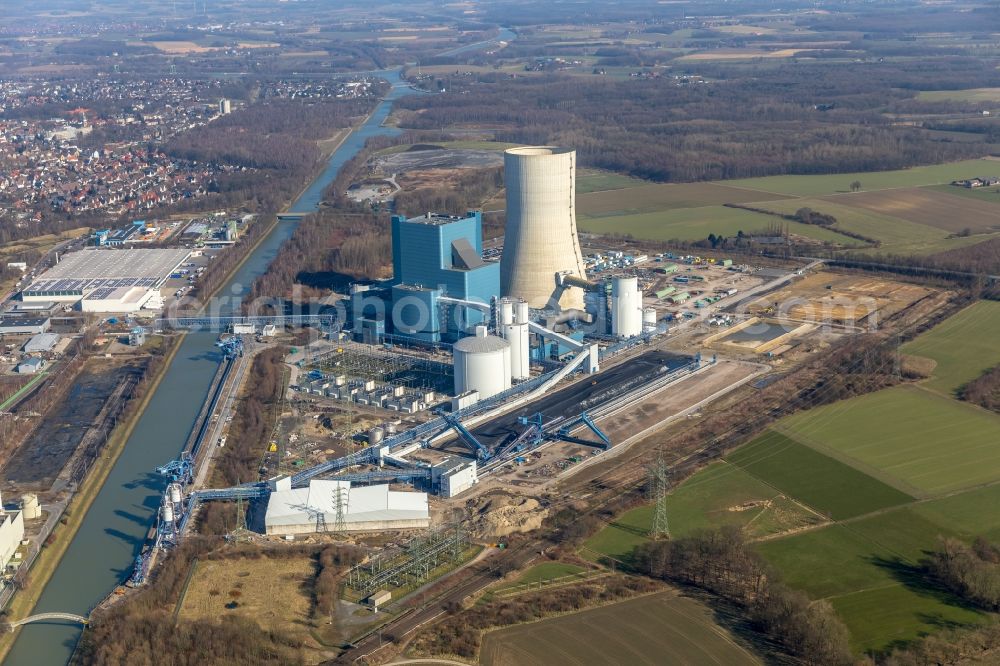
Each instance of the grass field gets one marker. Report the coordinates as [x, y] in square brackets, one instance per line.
[698, 223]
[724, 494]
[620, 537]
[988, 194]
[967, 95]
[657, 629]
[543, 573]
[601, 181]
[880, 617]
[924, 440]
[810, 186]
[657, 198]
[814, 478]
[964, 346]
[866, 569]
[276, 593]
[931, 207]
[901, 235]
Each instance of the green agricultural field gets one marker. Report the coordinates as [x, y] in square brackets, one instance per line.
[724, 494]
[621, 536]
[990, 194]
[923, 440]
[660, 628]
[881, 617]
[588, 181]
[895, 234]
[656, 198]
[967, 95]
[972, 513]
[810, 186]
[813, 478]
[964, 346]
[866, 569]
[829, 561]
[698, 223]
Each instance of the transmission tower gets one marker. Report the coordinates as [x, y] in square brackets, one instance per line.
[240, 532]
[340, 508]
[659, 482]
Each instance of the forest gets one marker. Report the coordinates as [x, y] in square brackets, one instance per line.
[354, 243]
[744, 121]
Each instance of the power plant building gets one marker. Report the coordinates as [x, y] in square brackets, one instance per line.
[540, 239]
[363, 508]
[438, 255]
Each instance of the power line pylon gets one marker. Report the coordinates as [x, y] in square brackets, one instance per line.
[659, 483]
[339, 508]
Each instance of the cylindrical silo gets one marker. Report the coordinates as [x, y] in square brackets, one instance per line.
[649, 319]
[175, 493]
[30, 509]
[516, 334]
[375, 435]
[540, 238]
[482, 363]
[506, 312]
[626, 307]
[521, 312]
[168, 513]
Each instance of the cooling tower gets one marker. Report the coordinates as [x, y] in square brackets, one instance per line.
[540, 239]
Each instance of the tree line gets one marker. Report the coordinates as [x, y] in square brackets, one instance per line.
[984, 390]
[722, 562]
[748, 121]
[253, 423]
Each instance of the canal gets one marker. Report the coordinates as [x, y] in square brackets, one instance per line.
[111, 535]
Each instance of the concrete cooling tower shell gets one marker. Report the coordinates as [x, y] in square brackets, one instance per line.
[540, 238]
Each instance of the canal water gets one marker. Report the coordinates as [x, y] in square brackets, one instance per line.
[103, 551]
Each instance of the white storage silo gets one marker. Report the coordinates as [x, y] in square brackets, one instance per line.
[515, 332]
[168, 513]
[482, 363]
[506, 312]
[175, 493]
[30, 509]
[648, 320]
[626, 307]
[540, 237]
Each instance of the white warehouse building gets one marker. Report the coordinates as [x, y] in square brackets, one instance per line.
[107, 280]
[365, 508]
[11, 534]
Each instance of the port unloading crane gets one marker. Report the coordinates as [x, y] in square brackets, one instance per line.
[180, 470]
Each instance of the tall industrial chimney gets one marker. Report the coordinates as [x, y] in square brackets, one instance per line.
[540, 238]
